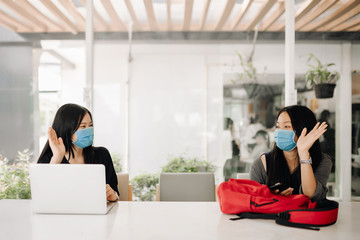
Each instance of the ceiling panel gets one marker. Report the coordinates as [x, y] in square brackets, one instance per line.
[57, 16]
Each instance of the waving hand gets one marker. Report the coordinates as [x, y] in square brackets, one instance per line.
[306, 140]
[57, 146]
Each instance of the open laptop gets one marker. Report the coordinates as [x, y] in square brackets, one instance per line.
[69, 189]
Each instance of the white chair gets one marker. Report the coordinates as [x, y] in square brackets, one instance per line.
[243, 176]
[124, 188]
[187, 187]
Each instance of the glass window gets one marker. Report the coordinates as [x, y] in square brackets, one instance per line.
[355, 137]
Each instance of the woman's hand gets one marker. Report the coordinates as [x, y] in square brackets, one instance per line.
[110, 194]
[287, 191]
[305, 141]
[57, 146]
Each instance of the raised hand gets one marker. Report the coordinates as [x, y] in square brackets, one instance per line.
[57, 146]
[305, 141]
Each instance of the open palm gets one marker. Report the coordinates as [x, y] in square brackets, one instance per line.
[56, 144]
[306, 140]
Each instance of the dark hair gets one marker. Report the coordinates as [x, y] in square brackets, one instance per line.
[67, 120]
[264, 135]
[324, 115]
[301, 117]
[228, 123]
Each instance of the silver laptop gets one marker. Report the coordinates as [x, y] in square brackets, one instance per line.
[69, 189]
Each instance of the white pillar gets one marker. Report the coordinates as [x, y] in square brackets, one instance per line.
[343, 125]
[36, 63]
[127, 99]
[290, 91]
[89, 39]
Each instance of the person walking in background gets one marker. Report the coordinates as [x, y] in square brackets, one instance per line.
[262, 144]
[233, 165]
[328, 142]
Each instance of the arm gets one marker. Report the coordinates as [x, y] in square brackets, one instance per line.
[321, 174]
[304, 143]
[111, 177]
[257, 170]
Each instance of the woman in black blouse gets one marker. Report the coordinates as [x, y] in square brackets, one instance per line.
[70, 141]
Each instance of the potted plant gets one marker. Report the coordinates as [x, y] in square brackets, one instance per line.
[187, 165]
[14, 176]
[144, 186]
[117, 161]
[249, 76]
[319, 77]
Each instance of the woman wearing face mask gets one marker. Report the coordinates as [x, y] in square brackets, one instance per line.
[70, 141]
[296, 160]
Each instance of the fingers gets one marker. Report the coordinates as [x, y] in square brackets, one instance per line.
[287, 191]
[317, 130]
[60, 141]
[110, 193]
[315, 127]
[321, 130]
[52, 135]
[303, 132]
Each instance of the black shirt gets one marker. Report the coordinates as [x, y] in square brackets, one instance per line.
[102, 156]
[295, 177]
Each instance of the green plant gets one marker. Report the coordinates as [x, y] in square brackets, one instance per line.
[319, 73]
[249, 73]
[144, 187]
[116, 158]
[186, 164]
[14, 177]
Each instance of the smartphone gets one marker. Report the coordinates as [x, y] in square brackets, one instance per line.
[278, 186]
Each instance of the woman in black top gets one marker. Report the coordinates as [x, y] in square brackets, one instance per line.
[296, 160]
[70, 141]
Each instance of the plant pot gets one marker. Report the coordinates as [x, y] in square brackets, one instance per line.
[250, 89]
[324, 90]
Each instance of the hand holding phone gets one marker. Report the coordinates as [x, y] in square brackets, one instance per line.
[278, 186]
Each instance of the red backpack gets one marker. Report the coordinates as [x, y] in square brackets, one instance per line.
[250, 199]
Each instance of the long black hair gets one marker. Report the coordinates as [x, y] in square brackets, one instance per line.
[301, 117]
[67, 120]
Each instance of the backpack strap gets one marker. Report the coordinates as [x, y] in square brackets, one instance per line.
[252, 215]
[280, 218]
[324, 214]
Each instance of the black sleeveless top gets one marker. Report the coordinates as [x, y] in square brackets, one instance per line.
[295, 177]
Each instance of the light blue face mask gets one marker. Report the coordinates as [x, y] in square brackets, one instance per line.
[285, 139]
[85, 137]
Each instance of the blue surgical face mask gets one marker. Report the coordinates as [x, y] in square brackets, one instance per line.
[285, 139]
[85, 137]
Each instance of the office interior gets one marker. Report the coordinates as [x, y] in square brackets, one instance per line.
[163, 78]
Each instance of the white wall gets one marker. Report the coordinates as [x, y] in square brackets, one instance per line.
[167, 114]
[176, 95]
[110, 75]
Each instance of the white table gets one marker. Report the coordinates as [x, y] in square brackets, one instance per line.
[162, 220]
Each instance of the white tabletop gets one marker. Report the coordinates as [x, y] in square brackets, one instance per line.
[162, 220]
